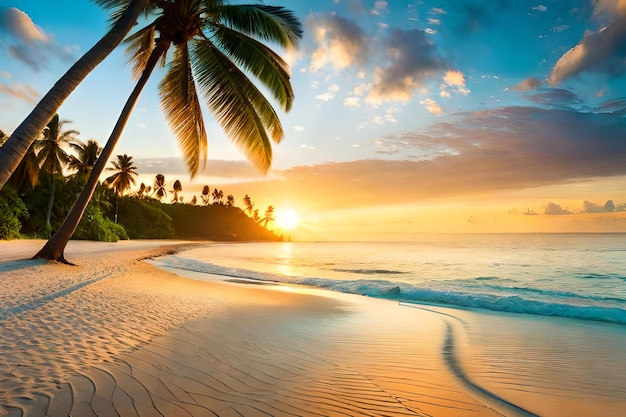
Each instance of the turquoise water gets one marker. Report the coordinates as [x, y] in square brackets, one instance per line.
[533, 323]
[570, 275]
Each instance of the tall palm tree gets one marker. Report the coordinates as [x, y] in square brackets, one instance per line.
[52, 156]
[123, 178]
[159, 186]
[124, 15]
[86, 156]
[211, 41]
[178, 187]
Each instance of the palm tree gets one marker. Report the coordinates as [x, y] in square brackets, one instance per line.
[27, 172]
[268, 217]
[217, 196]
[247, 201]
[230, 200]
[211, 41]
[178, 187]
[124, 15]
[255, 216]
[87, 154]
[205, 195]
[143, 191]
[159, 186]
[3, 137]
[123, 178]
[51, 155]
[194, 200]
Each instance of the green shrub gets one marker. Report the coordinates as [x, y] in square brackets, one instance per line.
[144, 219]
[94, 226]
[11, 210]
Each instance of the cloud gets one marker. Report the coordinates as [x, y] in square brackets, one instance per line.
[413, 58]
[603, 51]
[468, 154]
[380, 6]
[527, 84]
[21, 92]
[556, 97]
[555, 209]
[26, 41]
[431, 105]
[340, 42]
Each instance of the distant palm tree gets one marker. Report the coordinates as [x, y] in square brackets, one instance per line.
[268, 217]
[51, 155]
[247, 201]
[178, 187]
[159, 186]
[125, 14]
[142, 191]
[194, 200]
[123, 178]
[3, 137]
[87, 155]
[206, 195]
[218, 195]
[255, 216]
[214, 45]
[230, 200]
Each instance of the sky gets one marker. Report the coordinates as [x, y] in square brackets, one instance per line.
[468, 116]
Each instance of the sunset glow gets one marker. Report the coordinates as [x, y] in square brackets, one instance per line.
[286, 219]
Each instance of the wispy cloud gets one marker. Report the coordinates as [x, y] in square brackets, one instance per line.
[27, 42]
[20, 91]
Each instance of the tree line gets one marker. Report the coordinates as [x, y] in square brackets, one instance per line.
[56, 167]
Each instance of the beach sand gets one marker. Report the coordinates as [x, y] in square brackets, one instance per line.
[117, 336]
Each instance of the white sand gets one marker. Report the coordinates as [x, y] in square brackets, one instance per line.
[117, 336]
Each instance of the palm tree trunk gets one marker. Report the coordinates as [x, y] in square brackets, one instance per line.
[117, 206]
[50, 203]
[54, 248]
[14, 149]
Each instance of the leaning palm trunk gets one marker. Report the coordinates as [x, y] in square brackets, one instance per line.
[50, 204]
[12, 152]
[54, 248]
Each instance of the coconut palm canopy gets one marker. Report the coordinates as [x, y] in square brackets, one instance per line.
[210, 48]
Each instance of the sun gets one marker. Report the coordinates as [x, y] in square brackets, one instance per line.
[286, 219]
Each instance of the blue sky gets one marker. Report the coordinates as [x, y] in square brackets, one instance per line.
[479, 109]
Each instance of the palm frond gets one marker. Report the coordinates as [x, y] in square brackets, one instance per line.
[260, 60]
[118, 7]
[140, 47]
[236, 103]
[270, 23]
[180, 103]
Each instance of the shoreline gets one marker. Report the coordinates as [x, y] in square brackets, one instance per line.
[138, 340]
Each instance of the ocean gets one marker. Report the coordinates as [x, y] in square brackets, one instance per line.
[580, 276]
[536, 321]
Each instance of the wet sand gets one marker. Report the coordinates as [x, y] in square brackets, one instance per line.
[116, 336]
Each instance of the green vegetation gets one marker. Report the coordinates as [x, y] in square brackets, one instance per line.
[116, 211]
